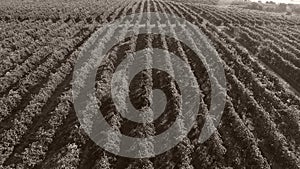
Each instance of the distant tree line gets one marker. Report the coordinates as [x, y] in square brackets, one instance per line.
[271, 6]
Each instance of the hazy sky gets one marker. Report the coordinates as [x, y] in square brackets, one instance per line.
[282, 1]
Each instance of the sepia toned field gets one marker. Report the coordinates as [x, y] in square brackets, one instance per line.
[40, 42]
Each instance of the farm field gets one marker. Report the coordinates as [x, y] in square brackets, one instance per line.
[40, 42]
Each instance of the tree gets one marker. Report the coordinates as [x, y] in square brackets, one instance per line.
[281, 7]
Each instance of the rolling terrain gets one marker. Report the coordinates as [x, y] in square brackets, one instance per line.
[40, 43]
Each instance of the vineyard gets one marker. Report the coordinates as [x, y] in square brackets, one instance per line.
[40, 42]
